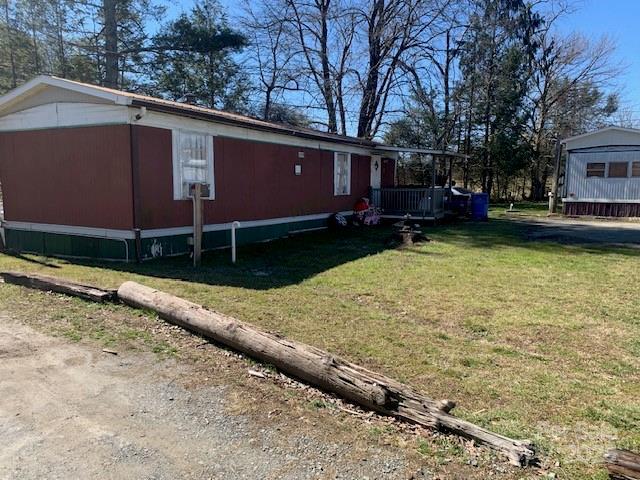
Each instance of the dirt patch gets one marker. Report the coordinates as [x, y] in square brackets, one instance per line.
[69, 411]
[198, 411]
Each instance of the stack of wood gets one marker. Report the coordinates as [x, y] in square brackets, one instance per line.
[623, 464]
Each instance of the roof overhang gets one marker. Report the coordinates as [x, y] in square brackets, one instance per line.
[117, 97]
[605, 137]
[213, 116]
[42, 82]
[420, 151]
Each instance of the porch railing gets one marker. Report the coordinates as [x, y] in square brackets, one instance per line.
[424, 202]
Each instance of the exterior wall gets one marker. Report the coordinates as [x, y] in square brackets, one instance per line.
[599, 209]
[58, 115]
[253, 181]
[580, 188]
[388, 173]
[90, 187]
[72, 176]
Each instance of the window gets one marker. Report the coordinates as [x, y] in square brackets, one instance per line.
[635, 169]
[618, 169]
[595, 169]
[342, 173]
[192, 162]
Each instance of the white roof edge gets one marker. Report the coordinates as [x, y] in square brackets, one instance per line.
[605, 129]
[426, 151]
[41, 81]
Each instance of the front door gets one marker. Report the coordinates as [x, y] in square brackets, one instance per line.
[376, 171]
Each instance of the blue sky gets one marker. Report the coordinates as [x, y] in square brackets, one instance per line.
[619, 19]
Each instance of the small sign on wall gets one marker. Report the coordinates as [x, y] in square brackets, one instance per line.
[298, 169]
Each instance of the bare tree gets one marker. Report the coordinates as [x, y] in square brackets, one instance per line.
[270, 51]
[562, 68]
[394, 28]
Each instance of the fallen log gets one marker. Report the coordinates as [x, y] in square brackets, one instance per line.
[50, 284]
[623, 464]
[321, 369]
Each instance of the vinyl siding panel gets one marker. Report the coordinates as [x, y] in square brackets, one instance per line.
[254, 181]
[71, 176]
[579, 187]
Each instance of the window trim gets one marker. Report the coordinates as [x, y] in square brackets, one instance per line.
[177, 171]
[335, 176]
[626, 175]
[604, 170]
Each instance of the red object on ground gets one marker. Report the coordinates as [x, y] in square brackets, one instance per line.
[361, 205]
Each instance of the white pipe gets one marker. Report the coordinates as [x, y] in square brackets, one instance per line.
[234, 225]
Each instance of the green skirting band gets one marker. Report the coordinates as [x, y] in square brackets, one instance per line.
[78, 246]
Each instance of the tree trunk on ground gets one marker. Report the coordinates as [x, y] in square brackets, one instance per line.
[623, 464]
[50, 284]
[321, 369]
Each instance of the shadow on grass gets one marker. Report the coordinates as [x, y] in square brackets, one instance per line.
[267, 265]
[19, 256]
[289, 261]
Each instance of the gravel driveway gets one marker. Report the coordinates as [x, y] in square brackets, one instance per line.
[71, 411]
[568, 230]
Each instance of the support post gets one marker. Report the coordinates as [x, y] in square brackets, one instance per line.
[553, 195]
[433, 187]
[138, 241]
[197, 224]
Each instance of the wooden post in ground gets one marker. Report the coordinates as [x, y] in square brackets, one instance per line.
[196, 195]
[553, 196]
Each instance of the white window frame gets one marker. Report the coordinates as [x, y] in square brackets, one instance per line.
[178, 194]
[335, 174]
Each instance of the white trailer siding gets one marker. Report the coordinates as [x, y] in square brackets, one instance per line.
[580, 188]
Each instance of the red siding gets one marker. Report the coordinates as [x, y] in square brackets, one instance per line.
[253, 181]
[69, 176]
[388, 173]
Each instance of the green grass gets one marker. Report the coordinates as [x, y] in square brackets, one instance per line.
[531, 339]
[524, 207]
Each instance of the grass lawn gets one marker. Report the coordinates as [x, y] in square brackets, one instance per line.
[524, 207]
[532, 339]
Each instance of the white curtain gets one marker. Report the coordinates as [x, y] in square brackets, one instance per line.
[342, 179]
[193, 158]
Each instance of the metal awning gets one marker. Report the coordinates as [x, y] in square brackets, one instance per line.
[424, 151]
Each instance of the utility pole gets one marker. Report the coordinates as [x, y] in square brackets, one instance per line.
[553, 194]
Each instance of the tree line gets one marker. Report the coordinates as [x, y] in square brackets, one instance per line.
[493, 79]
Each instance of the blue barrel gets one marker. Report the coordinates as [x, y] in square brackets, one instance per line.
[480, 206]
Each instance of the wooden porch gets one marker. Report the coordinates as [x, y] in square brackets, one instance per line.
[424, 203]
